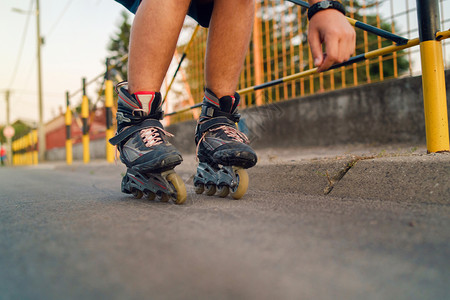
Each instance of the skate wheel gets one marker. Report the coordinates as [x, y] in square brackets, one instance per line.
[137, 194]
[210, 189]
[164, 197]
[223, 191]
[179, 187]
[199, 188]
[151, 196]
[242, 185]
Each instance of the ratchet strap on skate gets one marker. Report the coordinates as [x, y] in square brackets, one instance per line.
[128, 131]
[215, 122]
[211, 111]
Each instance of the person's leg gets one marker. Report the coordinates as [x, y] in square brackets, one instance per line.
[228, 40]
[154, 36]
[222, 150]
[141, 139]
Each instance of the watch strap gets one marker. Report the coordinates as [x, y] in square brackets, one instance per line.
[322, 5]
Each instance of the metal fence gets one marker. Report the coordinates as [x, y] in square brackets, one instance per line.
[279, 48]
[25, 149]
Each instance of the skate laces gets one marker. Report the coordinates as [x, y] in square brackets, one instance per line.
[152, 137]
[231, 132]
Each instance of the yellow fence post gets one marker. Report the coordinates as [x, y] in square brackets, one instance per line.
[85, 117]
[109, 100]
[433, 77]
[69, 149]
[13, 156]
[257, 54]
[35, 150]
[29, 153]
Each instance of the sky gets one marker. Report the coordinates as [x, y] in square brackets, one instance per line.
[76, 34]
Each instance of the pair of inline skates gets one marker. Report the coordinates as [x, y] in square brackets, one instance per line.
[222, 150]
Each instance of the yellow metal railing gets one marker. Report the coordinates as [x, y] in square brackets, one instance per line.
[279, 49]
[278, 57]
[25, 150]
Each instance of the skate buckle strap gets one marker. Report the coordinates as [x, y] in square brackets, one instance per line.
[126, 132]
[215, 122]
[220, 123]
[137, 116]
[212, 111]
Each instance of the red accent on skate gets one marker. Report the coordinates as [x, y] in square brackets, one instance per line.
[136, 179]
[146, 93]
[159, 185]
[128, 102]
[212, 101]
[163, 187]
[234, 100]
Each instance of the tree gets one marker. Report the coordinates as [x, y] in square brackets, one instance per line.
[119, 44]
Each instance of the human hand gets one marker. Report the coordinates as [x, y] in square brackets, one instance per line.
[330, 28]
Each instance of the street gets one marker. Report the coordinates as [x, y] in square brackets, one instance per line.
[69, 233]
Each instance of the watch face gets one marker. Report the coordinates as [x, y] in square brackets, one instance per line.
[324, 4]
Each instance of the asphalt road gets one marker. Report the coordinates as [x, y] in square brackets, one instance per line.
[68, 233]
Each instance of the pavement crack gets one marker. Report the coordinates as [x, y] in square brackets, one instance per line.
[333, 180]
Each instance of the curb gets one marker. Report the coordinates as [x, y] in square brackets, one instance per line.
[412, 178]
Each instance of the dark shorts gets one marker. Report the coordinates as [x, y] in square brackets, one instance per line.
[199, 12]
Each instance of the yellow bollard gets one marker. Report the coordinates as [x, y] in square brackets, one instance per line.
[68, 121]
[85, 116]
[109, 100]
[435, 99]
[433, 77]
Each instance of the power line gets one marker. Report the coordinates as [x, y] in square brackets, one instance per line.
[31, 93]
[22, 46]
[59, 18]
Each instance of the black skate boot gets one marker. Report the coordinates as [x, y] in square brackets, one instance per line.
[144, 148]
[222, 150]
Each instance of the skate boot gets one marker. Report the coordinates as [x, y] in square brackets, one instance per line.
[222, 150]
[143, 146]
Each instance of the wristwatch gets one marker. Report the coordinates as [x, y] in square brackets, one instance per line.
[322, 5]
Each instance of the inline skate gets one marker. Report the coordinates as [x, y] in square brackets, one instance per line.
[144, 148]
[222, 150]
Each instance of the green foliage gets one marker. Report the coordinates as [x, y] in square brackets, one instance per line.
[119, 44]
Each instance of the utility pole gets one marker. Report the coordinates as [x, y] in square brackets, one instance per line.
[41, 128]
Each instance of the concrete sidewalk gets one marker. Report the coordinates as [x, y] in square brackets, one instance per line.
[395, 173]
[383, 172]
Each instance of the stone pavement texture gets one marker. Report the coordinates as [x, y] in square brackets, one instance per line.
[348, 222]
[395, 173]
